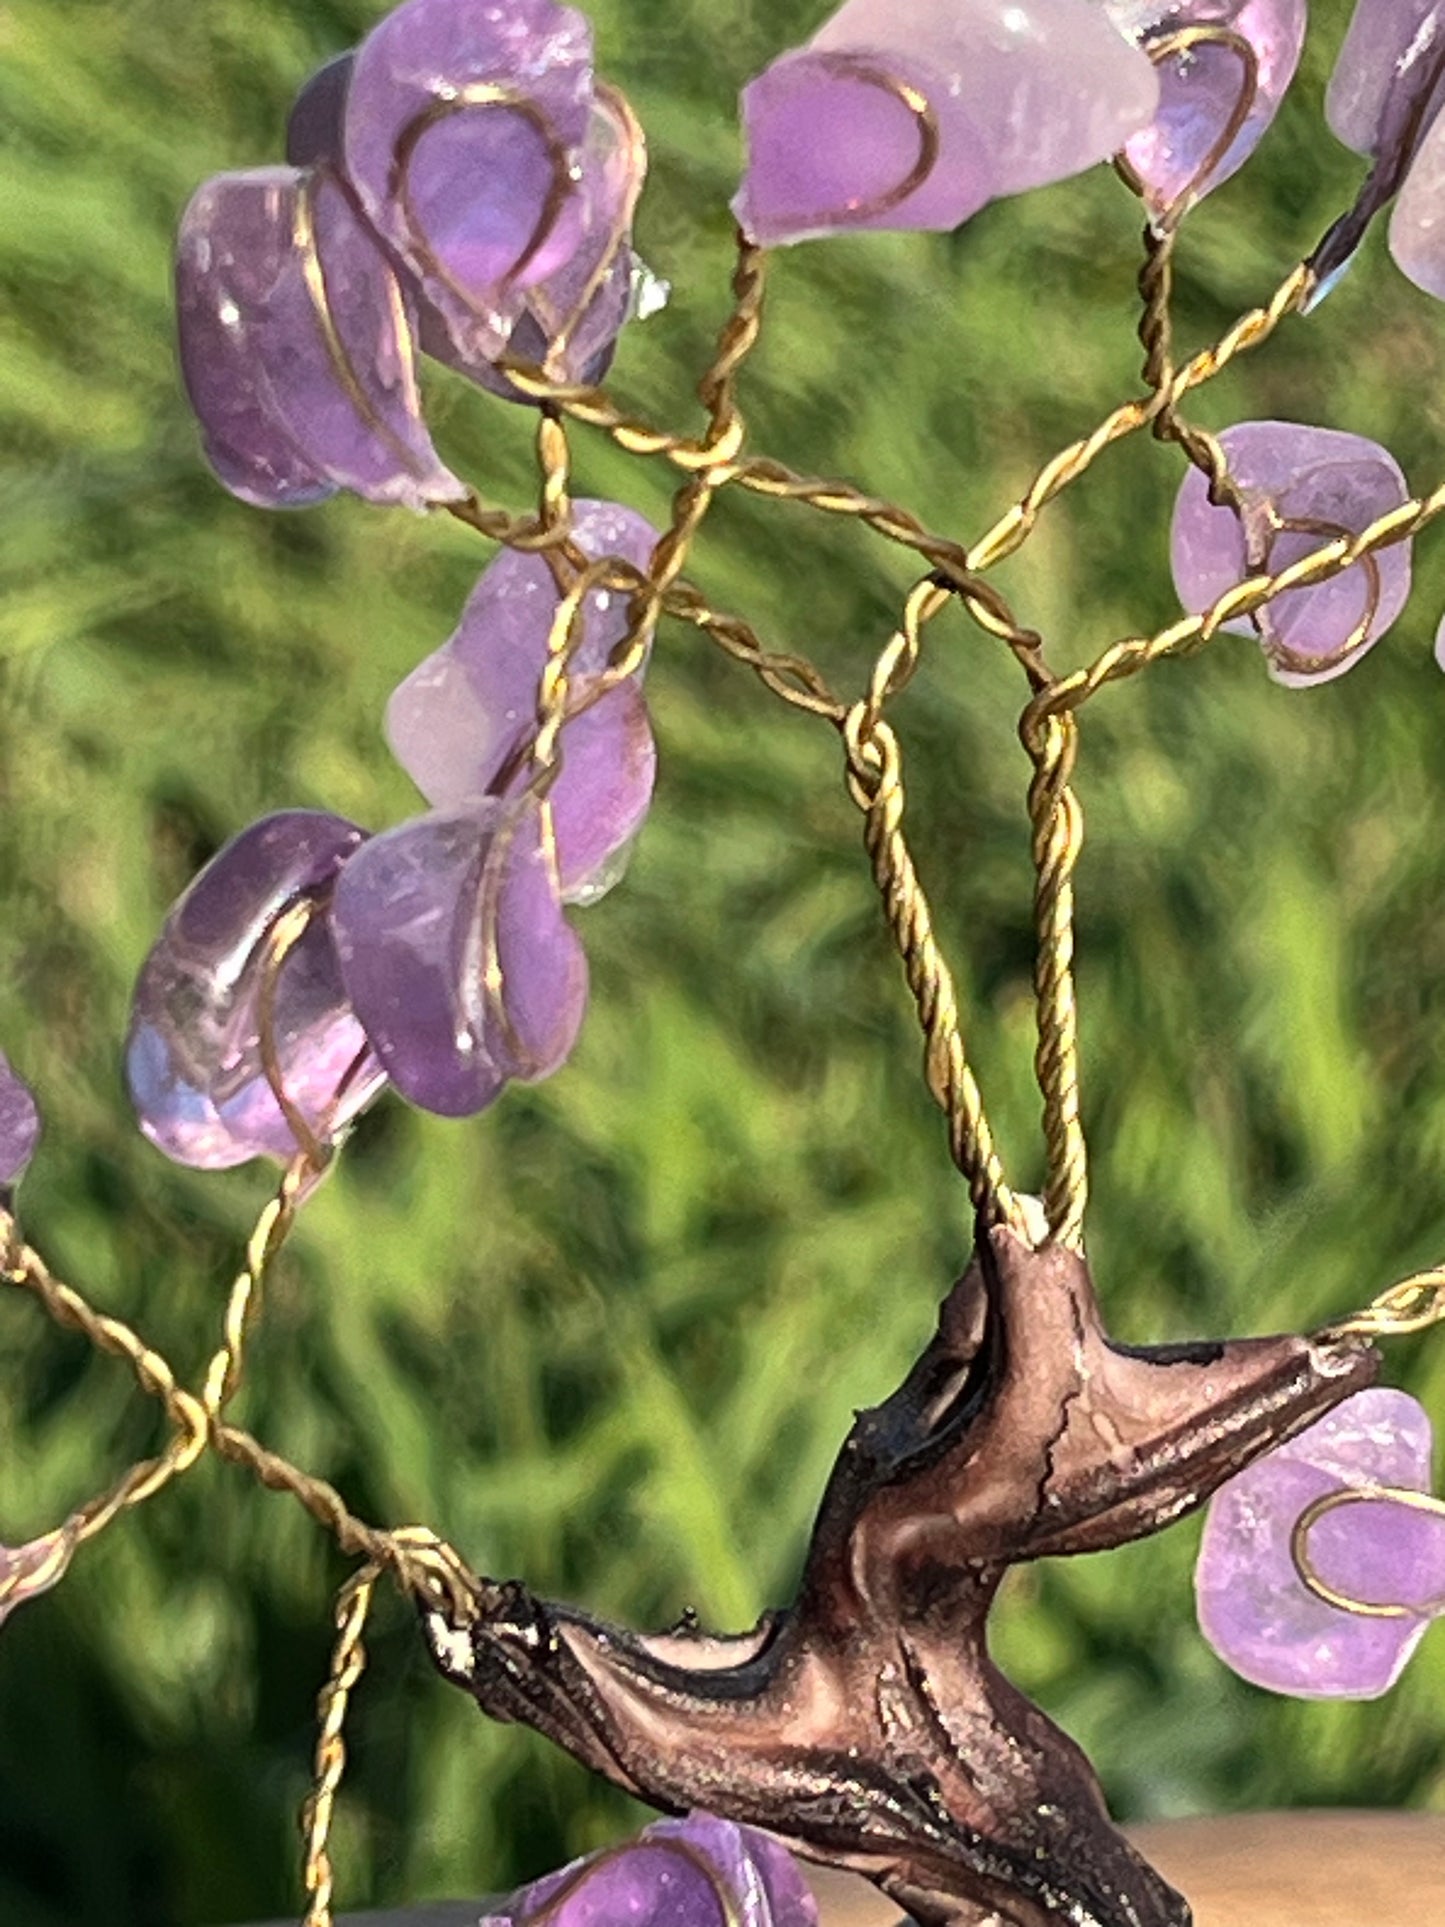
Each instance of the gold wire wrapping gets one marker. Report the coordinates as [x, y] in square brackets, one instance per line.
[348, 1662]
[1309, 1573]
[423, 1566]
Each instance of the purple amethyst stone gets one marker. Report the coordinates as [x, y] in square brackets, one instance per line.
[1254, 1608]
[19, 1126]
[1302, 487]
[462, 722]
[194, 1057]
[698, 1872]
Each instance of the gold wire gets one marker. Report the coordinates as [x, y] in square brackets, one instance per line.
[348, 1662]
[1328, 1502]
[874, 773]
[142, 1481]
[1414, 1305]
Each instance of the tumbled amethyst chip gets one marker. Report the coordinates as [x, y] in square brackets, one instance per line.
[456, 956]
[1302, 488]
[196, 1062]
[462, 722]
[913, 113]
[1391, 52]
[697, 1872]
[463, 125]
[296, 346]
[19, 1126]
[1255, 1609]
[1224, 68]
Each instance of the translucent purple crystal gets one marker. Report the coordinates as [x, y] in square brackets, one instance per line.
[461, 723]
[913, 113]
[456, 956]
[1302, 488]
[698, 1872]
[1214, 103]
[567, 323]
[1255, 1610]
[195, 1061]
[296, 346]
[464, 124]
[19, 1126]
[29, 1570]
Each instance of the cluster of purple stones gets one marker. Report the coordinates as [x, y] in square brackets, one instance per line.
[463, 185]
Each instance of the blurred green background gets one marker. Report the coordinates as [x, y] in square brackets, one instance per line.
[608, 1336]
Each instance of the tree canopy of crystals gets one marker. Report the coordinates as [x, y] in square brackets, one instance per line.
[455, 196]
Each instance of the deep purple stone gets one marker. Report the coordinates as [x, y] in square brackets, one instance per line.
[194, 1055]
[296, 346]
[1177, 157]
[1254, 1608]
[463, 125]
[318, 113]
[19, 1125]
[913, 113]
[698, 1872]
[460, 723]
[1320, 476]
[456, 956]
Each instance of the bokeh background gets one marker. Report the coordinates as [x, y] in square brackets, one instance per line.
[608, 1336]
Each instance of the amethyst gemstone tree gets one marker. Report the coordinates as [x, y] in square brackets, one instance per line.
[462, 186]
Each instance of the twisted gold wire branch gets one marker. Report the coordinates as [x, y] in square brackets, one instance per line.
[1058, 834]
[874, 768]
[348, 1662]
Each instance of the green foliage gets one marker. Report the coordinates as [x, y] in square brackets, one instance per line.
[609, 1336]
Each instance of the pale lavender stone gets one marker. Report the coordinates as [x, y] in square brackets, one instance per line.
[1417, 226]
[456, 956]
[1322, 476]
[29, 1570]
[1177, 156]
[296, 346]
[1392, 50]
[194, 1056]
[1384, 99]
[461, 722]
[19, 1126]
[1253, 1607]
[464, 120]
[698, 1872]
[1021, 92]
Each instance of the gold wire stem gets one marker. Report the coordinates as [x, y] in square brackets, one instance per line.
[269, 1233]
[1190, 633]
[142, 1481]
[1251, 330]
[876, 784]
[1058, 833]
[348, 1662]
[1328, 1502]
[1414, 1305]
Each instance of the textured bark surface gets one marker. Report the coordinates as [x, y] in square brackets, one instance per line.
[867, 1725]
